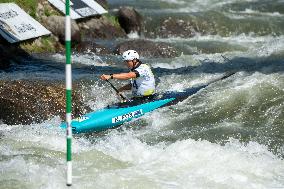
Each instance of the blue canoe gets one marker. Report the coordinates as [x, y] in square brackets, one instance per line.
[117, 114]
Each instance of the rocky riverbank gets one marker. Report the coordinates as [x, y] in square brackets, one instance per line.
[25, 102]
[103, 27]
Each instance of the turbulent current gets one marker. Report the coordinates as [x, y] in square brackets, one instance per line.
[228, 135]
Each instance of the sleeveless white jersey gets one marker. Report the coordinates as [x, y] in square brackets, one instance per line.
[144, 85]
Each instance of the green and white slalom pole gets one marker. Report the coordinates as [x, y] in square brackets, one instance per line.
[68, 78]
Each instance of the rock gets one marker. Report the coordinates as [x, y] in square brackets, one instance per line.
[45, 9]
[130, 20]
[101, 28]
[43, 44]
[25, 102]
[56, 24]
[147, 48]
[173, 27]
[88, 46]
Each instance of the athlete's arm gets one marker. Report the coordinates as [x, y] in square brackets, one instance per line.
[120, 76]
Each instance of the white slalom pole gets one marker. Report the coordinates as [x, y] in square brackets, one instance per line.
[68, 77]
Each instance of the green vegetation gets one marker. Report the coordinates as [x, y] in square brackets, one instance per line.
[113, 19]
[47, 12]
[42, 45]
[28, 5]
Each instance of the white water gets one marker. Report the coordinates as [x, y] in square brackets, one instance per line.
[88, 58]
[251, 44]
[34, 157]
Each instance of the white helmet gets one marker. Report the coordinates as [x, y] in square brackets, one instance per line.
[130, 55]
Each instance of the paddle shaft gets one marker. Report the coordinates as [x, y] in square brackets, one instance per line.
[226, 58]
[116, 90]
[228, 74]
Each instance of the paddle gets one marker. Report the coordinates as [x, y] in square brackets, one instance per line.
[228, 74]
[226, 58]
[121, 96]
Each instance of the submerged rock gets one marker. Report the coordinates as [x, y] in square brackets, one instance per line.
[25, 102]
[148, 48]
[176, 27]
[89, 46]
[130, 20]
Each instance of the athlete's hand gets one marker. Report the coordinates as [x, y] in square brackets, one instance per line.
[105, 77]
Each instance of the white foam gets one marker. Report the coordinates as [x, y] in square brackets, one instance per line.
[197, 6]
[47, 134]
[133, 35]
[249, 12]
[37, 154]
[88, 58]
[180, 82]
[191, 164]
[95, 95]
[180, 2]
[253, 46]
